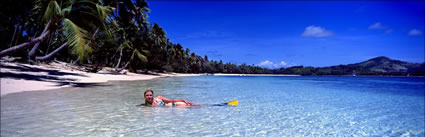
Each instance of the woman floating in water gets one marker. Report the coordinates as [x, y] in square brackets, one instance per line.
[150, 100]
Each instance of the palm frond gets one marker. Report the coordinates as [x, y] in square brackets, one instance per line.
[103, 13]
[87, 2]
[139, 55]
[68, 2]
[146, 10]
[77, 39]
[125, 44]
[67, 10]
[53, 10]
[135, 52]
[146, 52]
[142, 57]
[99, 14]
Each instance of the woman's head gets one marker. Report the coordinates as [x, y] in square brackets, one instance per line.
[148, 96]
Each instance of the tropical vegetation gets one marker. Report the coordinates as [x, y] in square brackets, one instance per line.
[96, 33]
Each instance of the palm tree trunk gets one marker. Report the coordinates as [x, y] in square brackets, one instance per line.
[125, 66]
[31, 54]
[17, 35]
[23, 45]
[94, 34]
[13, 37]
[75, 61]
[49, 43]
[88, 61]
[48, 56]
[119, 61]
[26, 45]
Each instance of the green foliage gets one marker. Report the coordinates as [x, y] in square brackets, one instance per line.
[53, 10]
[77, 38]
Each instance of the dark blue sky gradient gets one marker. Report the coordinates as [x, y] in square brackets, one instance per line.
[252, 32]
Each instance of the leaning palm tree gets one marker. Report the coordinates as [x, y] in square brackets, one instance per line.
[130, 26]
[134, 53]
[62, 18]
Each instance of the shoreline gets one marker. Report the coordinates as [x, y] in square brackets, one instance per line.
[19, 77]
[289, 75]
[271, 75]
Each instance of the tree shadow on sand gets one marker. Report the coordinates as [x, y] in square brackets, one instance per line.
[82, 85]
[52, 76]
[24, 68]
[34, 77]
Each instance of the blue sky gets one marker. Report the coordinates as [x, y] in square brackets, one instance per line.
[286, 33]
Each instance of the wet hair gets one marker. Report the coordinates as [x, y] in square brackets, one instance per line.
[148, 90]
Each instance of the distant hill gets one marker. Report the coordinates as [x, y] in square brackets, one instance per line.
[382, 66]
[386, 66]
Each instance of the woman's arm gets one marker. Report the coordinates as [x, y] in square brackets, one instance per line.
[166, 100]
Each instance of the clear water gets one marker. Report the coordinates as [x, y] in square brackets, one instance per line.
[269, 106]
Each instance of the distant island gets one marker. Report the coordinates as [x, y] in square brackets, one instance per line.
[379, 66]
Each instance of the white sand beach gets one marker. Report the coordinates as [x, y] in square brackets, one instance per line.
[17, 77]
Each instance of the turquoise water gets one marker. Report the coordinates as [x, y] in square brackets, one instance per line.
[268, 106]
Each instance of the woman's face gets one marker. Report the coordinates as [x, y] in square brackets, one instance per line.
[149, 97]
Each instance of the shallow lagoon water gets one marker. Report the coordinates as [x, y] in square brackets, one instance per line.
[268, 106]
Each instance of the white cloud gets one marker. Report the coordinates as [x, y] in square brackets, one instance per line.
[314, 31]
[271, 65]
[377, 25]
[415, 32]
[282, 63]
[266, 63]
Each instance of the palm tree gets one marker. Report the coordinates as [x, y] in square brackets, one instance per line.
[61, 19]
[130, 27]
[158, 35]
[133, 52]
[156, 43]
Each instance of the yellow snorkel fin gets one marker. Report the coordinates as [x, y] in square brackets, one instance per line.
[233, 103]
[230, 103]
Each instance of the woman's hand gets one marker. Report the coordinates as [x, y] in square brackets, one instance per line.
[187, 102]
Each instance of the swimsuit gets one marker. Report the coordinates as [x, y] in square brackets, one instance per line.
[161, 103]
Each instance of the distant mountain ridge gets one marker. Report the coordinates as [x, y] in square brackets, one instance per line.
[382, 65]
[385, 65]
